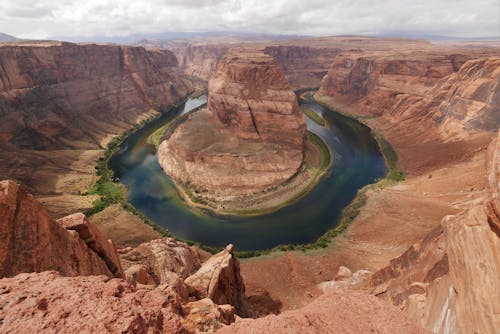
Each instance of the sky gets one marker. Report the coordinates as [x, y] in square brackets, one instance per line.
[115, 18]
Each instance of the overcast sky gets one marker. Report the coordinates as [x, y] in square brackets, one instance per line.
[87, 18]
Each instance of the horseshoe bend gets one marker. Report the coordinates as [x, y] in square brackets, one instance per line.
[249, 140]
[241, 183]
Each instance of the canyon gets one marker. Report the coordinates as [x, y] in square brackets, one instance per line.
[424, 252]
[61, 103]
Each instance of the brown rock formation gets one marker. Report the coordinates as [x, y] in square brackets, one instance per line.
[89, 233]
[219, 279]
[163, 258]
[334, 312]
[303, 65]
[250, 139]
[435, 281]
[60, 102]
[200, 60]
[33, 241]
[47, 303]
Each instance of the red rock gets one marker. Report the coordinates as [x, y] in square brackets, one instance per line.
[343, 273]
[251, 137]
[63, 96]
[33, 241]
[334, 312]
[205, 316]
[89, 233]
[219, 279]
[162, 257]
[47, 303]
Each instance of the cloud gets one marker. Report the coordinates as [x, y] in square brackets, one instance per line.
[44, 18]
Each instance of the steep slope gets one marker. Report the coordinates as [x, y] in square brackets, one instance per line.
[435, 281]
[33, 241]
[61, 102]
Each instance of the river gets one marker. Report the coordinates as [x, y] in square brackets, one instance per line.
[357, 162]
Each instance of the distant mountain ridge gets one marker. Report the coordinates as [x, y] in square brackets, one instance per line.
[7, 38]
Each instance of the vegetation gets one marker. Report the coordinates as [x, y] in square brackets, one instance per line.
[391, 158]
[313, 116]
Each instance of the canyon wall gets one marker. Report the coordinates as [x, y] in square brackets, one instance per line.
[60, 101]
[33, 241]
[449, 281]
[303, 65]
[455, 89]
[250, 137]
[200, 60]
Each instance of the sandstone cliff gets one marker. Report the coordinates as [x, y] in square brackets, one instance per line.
[449, 281]
[61, 102]
[200, 60]
[250, 138]
[33, 241]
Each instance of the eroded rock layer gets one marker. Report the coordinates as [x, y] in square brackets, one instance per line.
[62, 102]
[33, 241]
[436, 280]
[251, 136]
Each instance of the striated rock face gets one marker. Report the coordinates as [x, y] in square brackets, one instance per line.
[447, 89]
[250, 138]
[47, 303]
[333, 312]
[303, 65]
[436, 280]
[219, 279]
[33, 241]
[200, 60]
[60, 100]
[89, 233]
[471, 96]
[493, 205]
[250, 95]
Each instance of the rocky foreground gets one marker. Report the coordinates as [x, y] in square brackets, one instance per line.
[249, 139]
[63, 276]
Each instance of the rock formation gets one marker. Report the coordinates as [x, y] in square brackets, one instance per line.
[48, 303]
[249, 139]
[436, 281]
[33, 241]
[162, 262]
[219, 279]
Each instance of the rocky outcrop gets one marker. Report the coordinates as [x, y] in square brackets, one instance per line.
[435, 281]
[164, 260]
[250, 138]
[60, 100]
[493, 205]
[48, 303]
[91, 235]
[333, 312]
[219, 279]
[33, 241]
